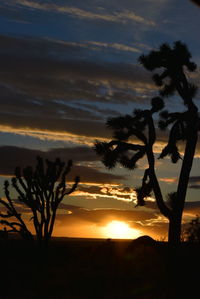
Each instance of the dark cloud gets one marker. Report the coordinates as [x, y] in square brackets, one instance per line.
[87, 128]
[194, 182]
[37, 81]
[49, 78]
[91, 175]
[192, 209]
[39, 78]
[43, 91]
[79, 153]
[11, 157]
[51, 68]
[88, 12]
[18, 103]
[192, 206]
[194, 179]
[194, 186]
[42, 70]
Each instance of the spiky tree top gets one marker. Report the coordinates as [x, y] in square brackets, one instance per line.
[134, 135]
[41, 190]
[122, 149]
[171, 63]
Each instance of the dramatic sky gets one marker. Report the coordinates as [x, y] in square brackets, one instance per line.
[65, 67]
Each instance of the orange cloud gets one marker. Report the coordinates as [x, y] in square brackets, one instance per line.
[168, 180]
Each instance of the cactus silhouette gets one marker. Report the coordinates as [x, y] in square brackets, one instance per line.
[41, 191]
[140, 126]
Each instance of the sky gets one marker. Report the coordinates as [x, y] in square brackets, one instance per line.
[65, 68]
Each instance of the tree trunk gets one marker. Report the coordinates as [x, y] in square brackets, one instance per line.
[174, 231]
[176, 219]
[175, 215]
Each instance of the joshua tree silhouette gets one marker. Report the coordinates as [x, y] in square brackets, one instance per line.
[40, 190]
[171, 63]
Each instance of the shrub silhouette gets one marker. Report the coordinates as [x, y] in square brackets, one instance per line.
[192, 233]
[135, 135]
[41, 191]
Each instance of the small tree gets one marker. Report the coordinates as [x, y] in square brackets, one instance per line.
[141, 126]
[41, 191]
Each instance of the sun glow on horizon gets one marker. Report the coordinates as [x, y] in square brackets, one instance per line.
[120, 230]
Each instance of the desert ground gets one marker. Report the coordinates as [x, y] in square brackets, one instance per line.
[98, 268]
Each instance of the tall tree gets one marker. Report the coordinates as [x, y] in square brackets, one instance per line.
[41, 191]
[141, 126]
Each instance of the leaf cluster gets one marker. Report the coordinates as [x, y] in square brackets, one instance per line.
[171, 62]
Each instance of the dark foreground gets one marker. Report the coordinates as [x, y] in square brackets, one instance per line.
[78, 268]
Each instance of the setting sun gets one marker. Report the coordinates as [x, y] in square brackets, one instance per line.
[120, 230]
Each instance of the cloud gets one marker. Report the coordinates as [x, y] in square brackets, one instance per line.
[194, 186]
[107, 191]
[115, 46]
[194, 179]
[76, 96]
[168, 180]
[100, 215]
[191, 210]
[194, 182]
[147, 222]
[52, 46]
[192, 206]
[76, 221]
[41, 70]
[137, 218]
[11, 157]
[123, 16]
[37, 79]
[91, 175]
[56, 57]
[84, 128]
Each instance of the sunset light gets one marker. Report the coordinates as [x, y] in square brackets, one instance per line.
[99, 148]
[120, 230]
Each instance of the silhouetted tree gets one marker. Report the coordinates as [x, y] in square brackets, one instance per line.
[41, 191]
[171, 78]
